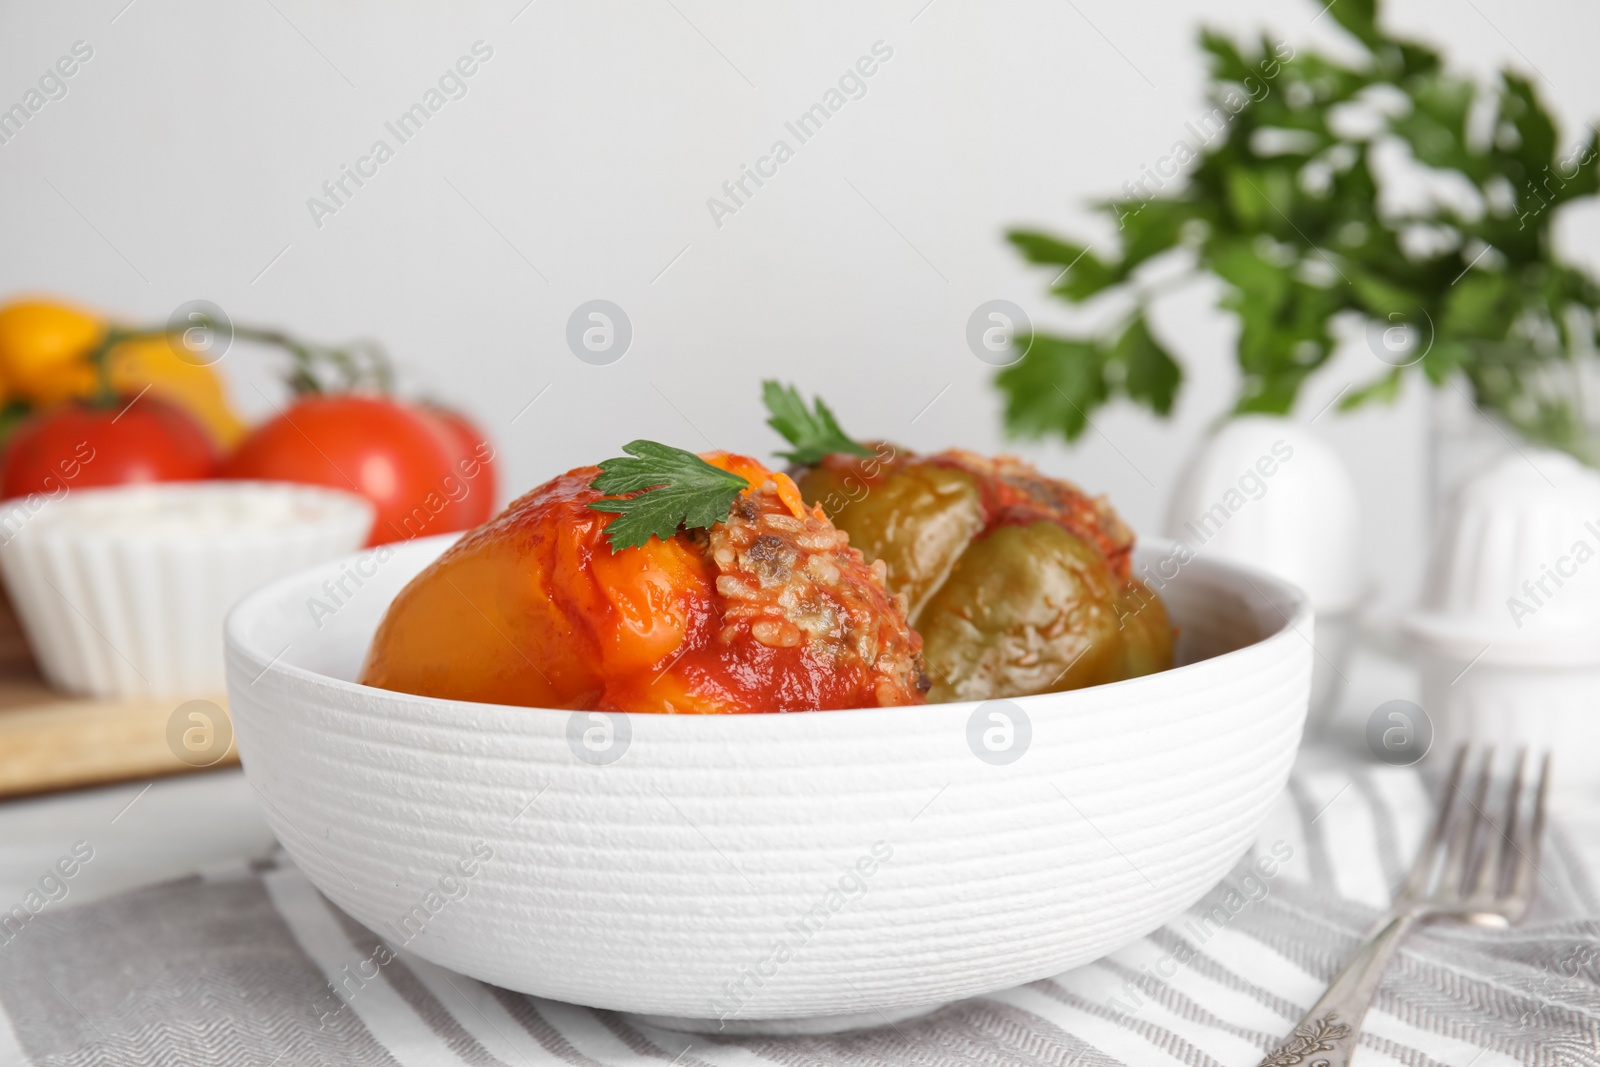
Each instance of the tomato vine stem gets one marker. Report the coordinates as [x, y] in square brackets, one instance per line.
[358, 366]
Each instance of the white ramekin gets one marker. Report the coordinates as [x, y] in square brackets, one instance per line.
[116, 603]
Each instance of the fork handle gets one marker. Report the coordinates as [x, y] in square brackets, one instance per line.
[1326, 1037]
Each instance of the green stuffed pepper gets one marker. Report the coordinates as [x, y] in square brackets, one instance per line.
[1017, 582]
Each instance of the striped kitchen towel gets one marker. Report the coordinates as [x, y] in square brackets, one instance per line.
[233, 967]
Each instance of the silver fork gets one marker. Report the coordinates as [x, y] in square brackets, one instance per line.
[1470, 868]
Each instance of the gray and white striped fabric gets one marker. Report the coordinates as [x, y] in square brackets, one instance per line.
[234, 967]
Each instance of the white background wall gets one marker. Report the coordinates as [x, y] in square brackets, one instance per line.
[578, 166]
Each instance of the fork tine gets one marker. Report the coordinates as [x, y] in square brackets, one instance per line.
[1529, 848]
[1500, 858]
[1461, 843]
[1417, 882]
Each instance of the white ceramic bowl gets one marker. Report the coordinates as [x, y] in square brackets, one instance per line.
[768, 867]
[122, 590]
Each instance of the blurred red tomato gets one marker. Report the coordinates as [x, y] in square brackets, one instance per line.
[76, 446]
[400, 457]
[474, 464]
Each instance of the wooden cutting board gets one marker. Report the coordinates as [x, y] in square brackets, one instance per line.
[51, 741]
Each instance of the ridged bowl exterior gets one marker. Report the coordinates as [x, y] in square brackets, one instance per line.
[111, 614]
[724, 865]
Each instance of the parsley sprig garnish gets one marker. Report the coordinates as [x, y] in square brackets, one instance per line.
[680, 490]
[813, 433]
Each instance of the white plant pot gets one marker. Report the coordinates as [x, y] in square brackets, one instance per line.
[1265, 491]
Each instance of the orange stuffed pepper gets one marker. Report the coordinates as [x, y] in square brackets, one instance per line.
[753, 605]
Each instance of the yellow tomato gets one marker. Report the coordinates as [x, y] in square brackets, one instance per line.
[42, 348]
[155, 363]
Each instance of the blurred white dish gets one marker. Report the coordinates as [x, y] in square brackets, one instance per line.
[1516, 565]
[1509, 624]
[1267, 492]
[745, 866]
[122, 591]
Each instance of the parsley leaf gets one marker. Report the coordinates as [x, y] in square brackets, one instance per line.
[1055, 385]
[680, 489]
[814, 434]
[1299, 243]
